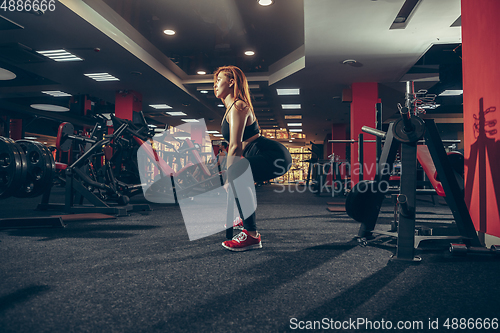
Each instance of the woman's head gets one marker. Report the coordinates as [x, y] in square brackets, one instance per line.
[236, 81]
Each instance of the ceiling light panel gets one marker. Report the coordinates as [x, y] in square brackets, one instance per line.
[176, 113]
[285, 92]
[60, 55]
[293, 116]
[451, 93]
[290, 106]
[100, 77]
[190, 120]
[56, 93]
[49, 107]
[294, 124]
[160, 106]
[169, 32]
[295, 130]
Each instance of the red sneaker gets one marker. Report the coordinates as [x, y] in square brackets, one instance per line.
[237, 223]
[243, 242]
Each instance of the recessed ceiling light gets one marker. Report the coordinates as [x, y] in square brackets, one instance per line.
[176, 113]
[293, 116]
[6, 75]
[201, 72]
[160, 106]
[217, 135]
[204, 91]
[60, 55]
[290, 106]
[56, 93]
[294, 124]
[190, 120]
[249, 53]
[169, 32]
[284, 92]
[49, 107]
[100, 77]
[265, 2]
[295, 130]
[451, 93]
[220, 105]
[212, 132]
[290, 140]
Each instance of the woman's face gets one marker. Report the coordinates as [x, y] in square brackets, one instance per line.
[222, 86]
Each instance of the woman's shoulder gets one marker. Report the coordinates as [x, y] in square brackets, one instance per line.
[240, 105]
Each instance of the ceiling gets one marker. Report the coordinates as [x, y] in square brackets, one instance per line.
[297, 44]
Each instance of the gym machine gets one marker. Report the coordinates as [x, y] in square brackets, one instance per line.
[86, 179]
[365, 199]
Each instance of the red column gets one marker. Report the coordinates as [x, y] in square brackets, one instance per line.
[481, 70]
[126, 103]
[364, 99]
[16, 129]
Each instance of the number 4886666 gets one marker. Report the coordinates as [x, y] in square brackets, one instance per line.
[28, 5]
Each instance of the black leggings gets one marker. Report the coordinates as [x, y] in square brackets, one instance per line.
[268, 160]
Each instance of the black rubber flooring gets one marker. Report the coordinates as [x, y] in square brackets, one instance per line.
[140, 273]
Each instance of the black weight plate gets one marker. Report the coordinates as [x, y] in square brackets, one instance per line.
[51, 167]
[49, 172]
[52, 164]
[12, 168]
[363, 201]
[417, 134]
[39, 170]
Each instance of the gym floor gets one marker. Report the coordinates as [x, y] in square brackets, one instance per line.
[140, 273]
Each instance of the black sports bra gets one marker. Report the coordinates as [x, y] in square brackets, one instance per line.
[249, 131]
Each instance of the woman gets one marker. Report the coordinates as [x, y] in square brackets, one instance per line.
[268, 159]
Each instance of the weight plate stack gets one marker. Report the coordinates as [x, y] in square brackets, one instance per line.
[40, 169]
[12, 167]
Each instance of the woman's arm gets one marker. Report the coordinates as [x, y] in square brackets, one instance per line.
[237, 121]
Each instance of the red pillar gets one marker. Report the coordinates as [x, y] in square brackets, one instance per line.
[481, 101]
[16, 129]
[364, 100]
[126, 103]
